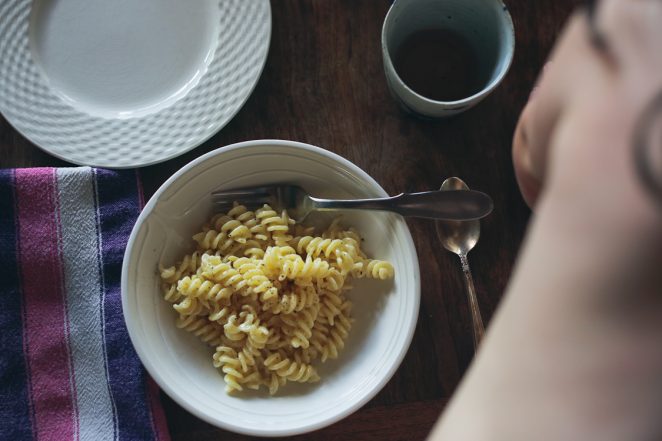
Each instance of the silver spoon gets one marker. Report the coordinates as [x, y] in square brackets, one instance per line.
[460, 237]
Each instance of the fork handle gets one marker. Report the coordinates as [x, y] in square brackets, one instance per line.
[455, 205]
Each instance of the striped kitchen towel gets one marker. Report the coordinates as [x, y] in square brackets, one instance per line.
[67, 368]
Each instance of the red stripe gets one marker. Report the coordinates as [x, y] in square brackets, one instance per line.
[141, 192]
[44, 304]
[160, 426]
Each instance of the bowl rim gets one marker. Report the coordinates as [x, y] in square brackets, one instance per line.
[152, 368]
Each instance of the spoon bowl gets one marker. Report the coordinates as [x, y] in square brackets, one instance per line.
[458, 237]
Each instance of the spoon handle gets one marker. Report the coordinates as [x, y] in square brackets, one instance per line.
[476, 319]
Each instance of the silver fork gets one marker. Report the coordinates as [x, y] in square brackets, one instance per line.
[446, 205]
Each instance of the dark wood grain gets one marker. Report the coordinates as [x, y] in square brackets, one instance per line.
[323, 84]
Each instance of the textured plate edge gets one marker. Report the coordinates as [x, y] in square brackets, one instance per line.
[213, 131]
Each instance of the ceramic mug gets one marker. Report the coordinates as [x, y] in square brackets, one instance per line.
[486, 26]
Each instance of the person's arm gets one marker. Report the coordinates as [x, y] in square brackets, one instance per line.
[575, 349]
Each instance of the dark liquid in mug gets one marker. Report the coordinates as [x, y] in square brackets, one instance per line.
[439, 64]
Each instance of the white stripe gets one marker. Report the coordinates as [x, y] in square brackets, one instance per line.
[82, 281]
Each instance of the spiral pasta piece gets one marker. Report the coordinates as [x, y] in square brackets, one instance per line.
[197, 286]
[190, 306]
[379, 269]
[295, 268]
[223, 273]
[277, 226]
[227, 360]
[187, 266]
[170, 293]
[202, 328]
[210, 240]
[317, 246]
[296, 299]
[253, 273]
[290, 369]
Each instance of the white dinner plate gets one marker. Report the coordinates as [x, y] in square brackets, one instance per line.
[128, 83]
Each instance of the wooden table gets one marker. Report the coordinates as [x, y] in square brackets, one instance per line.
[323, 84]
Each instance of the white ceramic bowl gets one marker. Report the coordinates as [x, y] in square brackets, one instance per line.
[385, 311]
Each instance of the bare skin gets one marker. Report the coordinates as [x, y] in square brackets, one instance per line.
[574, 350]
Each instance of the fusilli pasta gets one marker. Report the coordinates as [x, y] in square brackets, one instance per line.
[268, 295]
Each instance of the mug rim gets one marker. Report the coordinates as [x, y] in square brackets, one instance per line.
[456, 104]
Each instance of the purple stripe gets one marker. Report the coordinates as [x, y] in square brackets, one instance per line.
[102, 295]
[119, 206]
[15, 421]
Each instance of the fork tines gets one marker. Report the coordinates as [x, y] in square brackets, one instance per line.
[250, 197]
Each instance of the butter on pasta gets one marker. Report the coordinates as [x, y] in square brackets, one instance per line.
[268, 294]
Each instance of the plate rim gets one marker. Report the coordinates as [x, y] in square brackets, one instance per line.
[212, 129]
